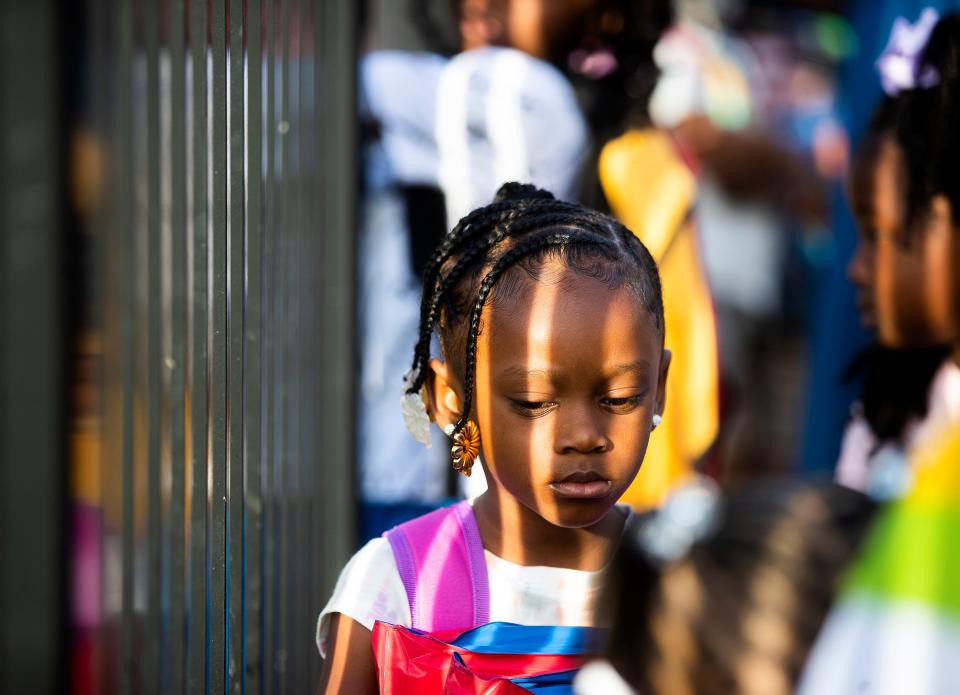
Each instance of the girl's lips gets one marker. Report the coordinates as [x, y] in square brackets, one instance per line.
[583, 486]
[868, 314]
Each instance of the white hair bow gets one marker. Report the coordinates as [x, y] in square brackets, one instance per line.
[899, 64]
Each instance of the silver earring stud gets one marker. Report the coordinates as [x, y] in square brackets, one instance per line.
[657, 419]
[448, 430]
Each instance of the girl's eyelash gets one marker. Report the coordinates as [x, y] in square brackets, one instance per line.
[542, 407]
[625, 402]
[532, 406]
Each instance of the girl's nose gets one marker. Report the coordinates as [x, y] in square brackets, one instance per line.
[858, 269]
[582, 433]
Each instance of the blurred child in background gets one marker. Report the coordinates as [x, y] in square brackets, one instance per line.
[896, 628]
[725, 595]
[901, 194]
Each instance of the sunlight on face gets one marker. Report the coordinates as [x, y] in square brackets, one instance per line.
[904, 278]
[568, 378]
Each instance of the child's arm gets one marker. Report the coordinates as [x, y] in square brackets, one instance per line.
[349, 667]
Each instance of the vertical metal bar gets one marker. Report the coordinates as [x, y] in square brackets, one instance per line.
[218, 371]
[127, 332]
[199, 440]
[319, 125]
[177, 359]
[110, 415]
[337, 275]
[285, 453]
[270, 350]
[235, 328]
[304, 343]
[317, 85]
[152, 637]
[253, 417]
[32, 384]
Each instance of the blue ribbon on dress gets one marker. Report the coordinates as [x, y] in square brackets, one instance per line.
[550, 684]
[510, 638]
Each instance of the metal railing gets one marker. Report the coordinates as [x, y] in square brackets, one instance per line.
[226, 247]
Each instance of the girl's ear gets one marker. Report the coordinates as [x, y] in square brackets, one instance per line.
[443, 392]
[662, 381]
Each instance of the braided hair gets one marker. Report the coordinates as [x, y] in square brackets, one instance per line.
[739, 611]
[523, 227]
[923, 122]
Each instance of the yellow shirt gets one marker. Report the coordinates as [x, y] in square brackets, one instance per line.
[651, 190]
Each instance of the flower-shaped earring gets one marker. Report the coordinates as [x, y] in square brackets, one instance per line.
[466, 448]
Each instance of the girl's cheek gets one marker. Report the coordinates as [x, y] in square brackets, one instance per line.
[949, 258]
[509, 440]
[885, 284]
[632, 433]
[938, 287]
[912, 295]
[924, 294]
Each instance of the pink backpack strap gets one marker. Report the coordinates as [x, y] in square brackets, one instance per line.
[440, 559]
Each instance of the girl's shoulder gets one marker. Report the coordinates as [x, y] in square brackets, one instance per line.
[369, 589]
[378, 581]
[371, 586]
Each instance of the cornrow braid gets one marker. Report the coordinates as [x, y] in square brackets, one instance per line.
[497, 213]
[430, 302]
[484, 218]
[522, 222]
[526, 247]
[631, 243]
[430, 306]
[778, 550]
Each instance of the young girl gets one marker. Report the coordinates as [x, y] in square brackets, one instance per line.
[905, 188]
[896, 628]
[551, 377]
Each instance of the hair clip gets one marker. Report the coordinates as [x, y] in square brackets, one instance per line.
[690, 513]
[593, 64]
[899, 64]
[414, 409]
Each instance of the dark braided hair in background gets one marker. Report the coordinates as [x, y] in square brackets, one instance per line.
[925, 123]
[523, 228]
[739, 611]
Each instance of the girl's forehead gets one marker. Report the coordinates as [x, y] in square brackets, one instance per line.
[553, 277]
[573, 316]
[557, 289]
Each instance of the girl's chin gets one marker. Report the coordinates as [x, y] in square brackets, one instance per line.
[578, 513]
